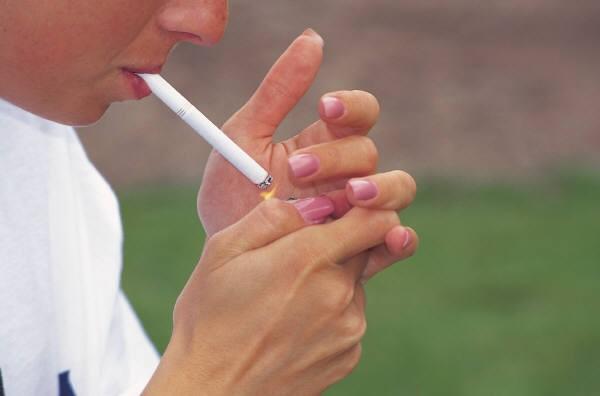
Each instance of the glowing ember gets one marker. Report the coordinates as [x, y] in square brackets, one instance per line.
[268, 194]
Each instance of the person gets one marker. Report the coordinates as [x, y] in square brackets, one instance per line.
[276, 303]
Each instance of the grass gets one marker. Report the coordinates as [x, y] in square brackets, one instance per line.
[503, 297]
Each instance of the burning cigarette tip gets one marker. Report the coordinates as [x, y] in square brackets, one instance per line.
[266, 184]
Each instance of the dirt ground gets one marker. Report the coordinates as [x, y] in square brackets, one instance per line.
[472, 89]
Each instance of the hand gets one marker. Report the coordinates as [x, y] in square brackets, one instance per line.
[273, 307]
[337, 141]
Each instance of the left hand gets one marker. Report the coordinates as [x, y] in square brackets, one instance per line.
[337, 141]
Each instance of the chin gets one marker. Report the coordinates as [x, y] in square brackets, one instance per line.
[79, 116]
[76, 110]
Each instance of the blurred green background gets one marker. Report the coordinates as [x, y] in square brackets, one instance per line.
[487, 104]
[501, 299]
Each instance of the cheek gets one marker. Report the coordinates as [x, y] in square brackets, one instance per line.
[60, 56]
[81, 42]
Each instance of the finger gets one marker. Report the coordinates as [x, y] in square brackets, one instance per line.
[340, 202]
[285, 84]
[341, 365]
[349, 112]
[346, 157]
[271, 220]
[342, 113]
[400, 243]
[393, 190]
[336, 242]
[344, 200]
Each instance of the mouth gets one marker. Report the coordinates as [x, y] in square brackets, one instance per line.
[138, 87]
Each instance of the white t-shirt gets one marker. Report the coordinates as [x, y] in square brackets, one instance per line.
[66, 327]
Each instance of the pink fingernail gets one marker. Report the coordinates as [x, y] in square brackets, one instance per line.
[363, 190]
[332, 107]
[407, 239]
[314, 210]
[303, 165]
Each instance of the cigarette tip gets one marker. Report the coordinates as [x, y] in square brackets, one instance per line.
[265, 184]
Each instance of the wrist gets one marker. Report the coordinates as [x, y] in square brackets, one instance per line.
[182, 372]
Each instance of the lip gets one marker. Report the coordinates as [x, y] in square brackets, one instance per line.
[138, 87]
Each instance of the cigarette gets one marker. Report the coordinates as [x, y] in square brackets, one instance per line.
[209, 131]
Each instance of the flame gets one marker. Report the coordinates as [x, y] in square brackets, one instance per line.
[268, 194]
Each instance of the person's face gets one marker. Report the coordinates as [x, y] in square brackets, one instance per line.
[67, 60]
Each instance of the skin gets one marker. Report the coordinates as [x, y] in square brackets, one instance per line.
[303, 331]
[297, 288]
[62, 59]
[341, 144]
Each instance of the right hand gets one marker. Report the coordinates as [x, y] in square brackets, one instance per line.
[273, 307]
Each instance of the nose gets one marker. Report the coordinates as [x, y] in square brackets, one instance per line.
[200, 22]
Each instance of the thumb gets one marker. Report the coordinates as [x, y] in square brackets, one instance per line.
[283, 87]
[269, 221]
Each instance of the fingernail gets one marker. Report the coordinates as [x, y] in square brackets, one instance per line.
[407, 239]
[303, 165]
[314, 210]
[312, 33]
[363, 190]
[332, 107]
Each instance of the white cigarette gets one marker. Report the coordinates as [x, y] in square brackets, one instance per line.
[209, 131]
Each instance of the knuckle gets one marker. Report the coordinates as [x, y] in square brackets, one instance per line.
[340, 294]
[374, 223]
[352, 359]
[355, 327]
[355, 355]
[346, 364]
[391, 218]
[219, 249]
[332, 153]
[371, 153]
[408, 185]
[279, 88]
[384, 220]
[216, 241]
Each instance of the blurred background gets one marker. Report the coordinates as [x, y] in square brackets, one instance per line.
[492, 106]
